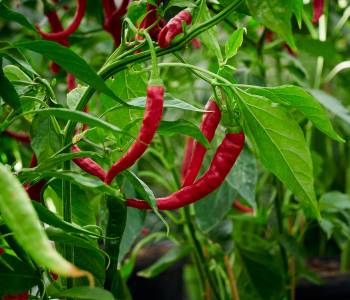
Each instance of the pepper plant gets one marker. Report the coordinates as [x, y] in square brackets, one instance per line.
[215, 127]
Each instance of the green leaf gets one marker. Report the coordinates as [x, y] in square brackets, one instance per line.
[184, 127]
[281, 146]
[276, 15]
[332, 104]
[8, 92]
[45, 140]
[88, 293]
[333, 202]
[13, 72]
[166, 261]
[260, 275]
[11, 16]
[169, 102]
[71, 62]
[52, 219]
[234, 43]
[298, 10]
[302, 101]
[79, 116]
[88, 182]
[244, 176]
[20, 278]
[180, 3]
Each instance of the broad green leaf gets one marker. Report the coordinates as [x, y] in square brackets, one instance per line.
[12, 16]
[244, 176]
[260, 274]
[52, 219]
[276, 15]
[169, 102]
[184, 127]
[45, 140]
[78, 116]
[332, 104]
[89, 182]
[74, 96]
[8, 92]
[218, 203]
[334, 202]
[13, 72]
[87, 254]
[166, 261]
[281, 146]
[234, 43]
[20, 278]
[298, 10]
[87, 293]
[302, 101]
[134, 223]
[71, 62]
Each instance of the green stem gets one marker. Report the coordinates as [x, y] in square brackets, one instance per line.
[202, 265]
[117, 214]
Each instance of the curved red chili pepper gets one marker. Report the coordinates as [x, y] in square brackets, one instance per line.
[62, 34]
[224, 159]
[318, 6]
[149, 126]
[210, 122]
[113, 18]
[242, 208]
[18, 136]
[150, 18]
[173, 28]
[89, 165]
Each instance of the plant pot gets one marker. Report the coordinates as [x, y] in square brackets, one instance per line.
[334, 285]
[166, 286]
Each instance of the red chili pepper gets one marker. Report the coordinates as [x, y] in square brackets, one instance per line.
[150, 123]
[63, 34]
[196, 43]
[2, 250]
[23, 296]
[88, 165]
[150, 18]
[173, 28]
[210, 122]
[318, 10]
[71, 84]
[113, 18]
[224, 159]
[20, 137]
[242, 208]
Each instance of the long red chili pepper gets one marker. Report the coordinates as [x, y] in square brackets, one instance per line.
[150, 123]
[318, 6]
[210, 122]
[173, 28]
[242, 208]
[59, 35]
[150, 18]
[21, 137]
[113, 18]
[223, 161]
[88, 165]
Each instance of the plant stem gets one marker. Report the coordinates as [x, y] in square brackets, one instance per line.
[232, 278]
[199, 252]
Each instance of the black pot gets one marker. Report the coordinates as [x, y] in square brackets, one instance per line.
[334, 285]
[166, 286]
